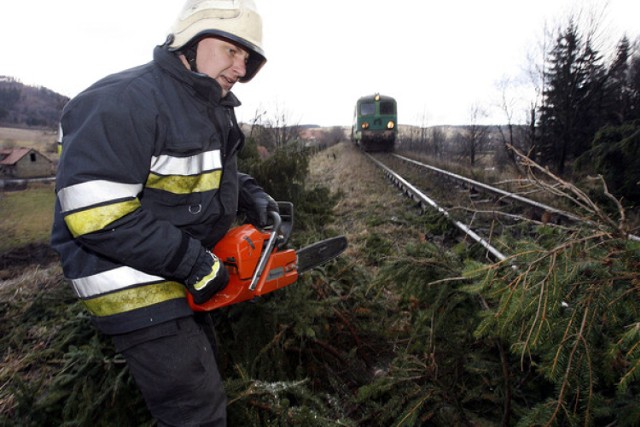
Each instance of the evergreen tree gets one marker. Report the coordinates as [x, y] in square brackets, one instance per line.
[615, 156]
[634, 86]
[618, 83]
[573, 99]
[592, 98]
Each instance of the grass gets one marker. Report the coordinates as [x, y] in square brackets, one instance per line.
[26, 216]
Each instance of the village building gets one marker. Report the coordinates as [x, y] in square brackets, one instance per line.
[21, 163]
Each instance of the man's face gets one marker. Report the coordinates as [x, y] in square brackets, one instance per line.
[221, 60]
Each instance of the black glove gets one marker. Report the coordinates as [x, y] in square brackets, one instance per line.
[254, 202]
[208, 276]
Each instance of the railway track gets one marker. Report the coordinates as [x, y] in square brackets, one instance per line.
[473, 184]
[487, 215]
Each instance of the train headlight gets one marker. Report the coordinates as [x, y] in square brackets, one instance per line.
[391, 124]
[365, 125]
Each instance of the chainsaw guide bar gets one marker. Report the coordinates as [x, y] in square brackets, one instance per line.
[319, 253]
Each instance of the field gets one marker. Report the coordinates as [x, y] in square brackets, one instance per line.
[26, 216]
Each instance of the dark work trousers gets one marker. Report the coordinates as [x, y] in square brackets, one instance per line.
[174, 366]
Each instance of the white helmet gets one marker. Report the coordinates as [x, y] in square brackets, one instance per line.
[235, 20]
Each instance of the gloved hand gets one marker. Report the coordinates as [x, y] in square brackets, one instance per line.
[254, 202]
[208, 276]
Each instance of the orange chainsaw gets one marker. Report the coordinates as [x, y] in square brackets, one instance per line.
[258, 262]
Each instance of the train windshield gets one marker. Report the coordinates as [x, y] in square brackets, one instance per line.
[387, 107]
[367, 108]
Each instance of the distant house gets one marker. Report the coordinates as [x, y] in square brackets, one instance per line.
[24, 163]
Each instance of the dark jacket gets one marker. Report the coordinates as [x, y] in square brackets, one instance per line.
[147, 177]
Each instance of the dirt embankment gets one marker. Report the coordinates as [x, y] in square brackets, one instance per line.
[15, 262]
[369, 204]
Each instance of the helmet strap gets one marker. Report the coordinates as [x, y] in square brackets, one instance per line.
[190, 54]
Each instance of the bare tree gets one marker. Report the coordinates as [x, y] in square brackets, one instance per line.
[335, 135]
[438, 141]
[416, 139]
[279, 131]
[330, 137]
[474, 136]
[511, 134]
[256, 120]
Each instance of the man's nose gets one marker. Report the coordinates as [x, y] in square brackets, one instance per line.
[240, 67]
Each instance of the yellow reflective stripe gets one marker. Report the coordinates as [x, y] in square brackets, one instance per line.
[134, 298]
[185, 184]
[85, 194]
[87, 221]
[214, 271]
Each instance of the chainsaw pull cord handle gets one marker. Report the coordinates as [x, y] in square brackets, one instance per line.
[266, 253]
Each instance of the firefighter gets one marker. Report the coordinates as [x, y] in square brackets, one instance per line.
[147, 183]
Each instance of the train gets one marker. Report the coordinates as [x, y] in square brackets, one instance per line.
[375, 123]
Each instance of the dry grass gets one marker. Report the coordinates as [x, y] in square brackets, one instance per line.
[25, 282]
[26, 216]
[369, 203]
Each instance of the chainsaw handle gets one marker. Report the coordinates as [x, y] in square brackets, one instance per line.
[266, 253]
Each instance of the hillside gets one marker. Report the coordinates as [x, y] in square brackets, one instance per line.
[22, 105]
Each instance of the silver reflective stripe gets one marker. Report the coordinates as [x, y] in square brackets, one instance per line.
[60, 133]
[194, 165]
[91, 193]
[111, 280]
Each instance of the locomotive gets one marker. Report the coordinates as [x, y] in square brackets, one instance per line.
[375, 123]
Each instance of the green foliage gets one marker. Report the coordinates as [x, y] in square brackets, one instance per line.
[283, 175]
[71, 376]
[280, 358]
[283, 403]
[548, 337]
[570, 312]
[581, 96]
[248, 155]
[441, 372]
[415, 335]
[572, 110]
[294, 357]
[376, 248]
[615, 154]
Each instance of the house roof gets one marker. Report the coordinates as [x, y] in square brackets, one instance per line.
[11, 156]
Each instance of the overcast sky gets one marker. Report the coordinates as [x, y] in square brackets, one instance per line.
[437, 58]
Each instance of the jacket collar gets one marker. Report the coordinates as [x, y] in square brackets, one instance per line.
[202, 85]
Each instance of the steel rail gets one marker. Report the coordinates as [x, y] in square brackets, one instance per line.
[425, 200]
[501, 192]
[492, 189]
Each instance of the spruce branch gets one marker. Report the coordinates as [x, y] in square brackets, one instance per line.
[564, 189]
